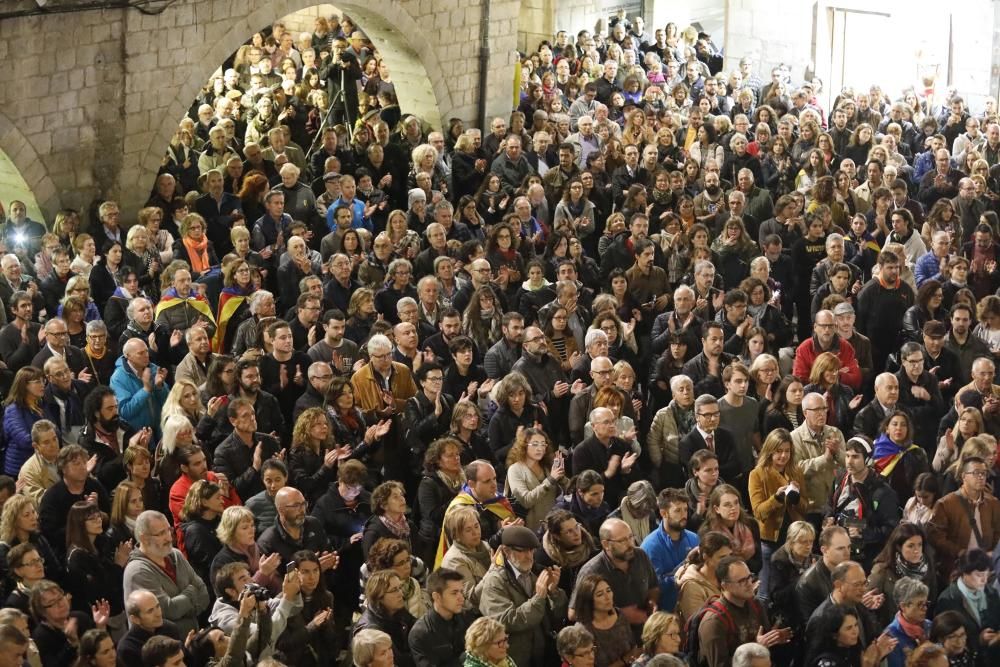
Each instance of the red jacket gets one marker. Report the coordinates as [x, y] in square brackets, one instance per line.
[809, 349]
[179, 491]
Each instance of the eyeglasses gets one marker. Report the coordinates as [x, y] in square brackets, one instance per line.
[34, 562]
[922, 604]
[709, 415]
[978, 474]
[533, 340]
[56, 602]
[295, 506]
[586, 652]
[749, 579]
[436, 378]
[503, 641]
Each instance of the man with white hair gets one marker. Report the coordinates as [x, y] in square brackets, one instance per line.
[156, 566]
[217, 151]
[163, 343]
[13, 280]
[585, 141]
[194, 365]
[381, 389]
[300, 202]
[140, 386]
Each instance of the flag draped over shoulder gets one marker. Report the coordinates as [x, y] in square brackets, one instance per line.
[500, 506]
[229, 302]
[170, 299]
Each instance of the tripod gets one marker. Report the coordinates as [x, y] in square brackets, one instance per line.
[341, 96]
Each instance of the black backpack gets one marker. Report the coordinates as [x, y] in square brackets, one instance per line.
[715, 606]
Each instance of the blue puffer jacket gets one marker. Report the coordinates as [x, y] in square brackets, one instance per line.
[137, 406]
[17, 423]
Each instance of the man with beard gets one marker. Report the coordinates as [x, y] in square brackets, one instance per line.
[21, 231]
[500, 358]
[156, 566]
[548, 381]
[105, 436]
[825, 339]
[963, 343]
[705, 368]
[669, 545]
[628, 569]
[339, 352]
[266, 408]
[621, 253]
[983, 254]
[450, 325]
[880, 305]
[294, 531]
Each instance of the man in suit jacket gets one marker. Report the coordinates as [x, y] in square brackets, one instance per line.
[57, 345]
[707, 435]
[868, 421]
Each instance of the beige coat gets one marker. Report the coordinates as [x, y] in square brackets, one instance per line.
[471, 568]
[34, 478]
[537, 496]
[818, 469]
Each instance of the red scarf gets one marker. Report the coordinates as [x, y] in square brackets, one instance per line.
[912, 630]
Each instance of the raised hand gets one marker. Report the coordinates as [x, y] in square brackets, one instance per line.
[101, 613]
[122, 553]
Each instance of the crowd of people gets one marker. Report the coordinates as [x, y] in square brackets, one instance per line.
[673, 366]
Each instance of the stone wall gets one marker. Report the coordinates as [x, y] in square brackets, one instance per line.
[93, 98]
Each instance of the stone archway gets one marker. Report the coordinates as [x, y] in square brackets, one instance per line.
[417, 72]
[23, 175]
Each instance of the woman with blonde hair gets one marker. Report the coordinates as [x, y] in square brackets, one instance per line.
[486, 644]
[66, 227]
[19, 525]
[177, 433]
[469, 554]
[661, 635]
[184, 400]
[983, 446]
[385, 609]
[536, 475]
[160, 240]
[236, 534]
[775, 484]
[969, 424]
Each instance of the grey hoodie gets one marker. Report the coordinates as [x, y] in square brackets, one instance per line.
[226, 617]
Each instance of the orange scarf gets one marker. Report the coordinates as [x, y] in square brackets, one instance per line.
[197, 253]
